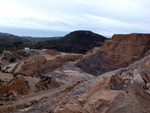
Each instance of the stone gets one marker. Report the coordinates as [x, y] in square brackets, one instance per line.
[148, 85]
[137, 78]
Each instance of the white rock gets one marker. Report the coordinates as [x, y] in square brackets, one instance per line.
[124, 85]
[148, 85]
[126, 82]
[137, 78]
[131, 81]
[148, 91]
[131, 77]
[126, 77]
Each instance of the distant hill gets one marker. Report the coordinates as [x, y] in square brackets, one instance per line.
[11, 42]
[5, 37]
[40, 39]
[75, 42]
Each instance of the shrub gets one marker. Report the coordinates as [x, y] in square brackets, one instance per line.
[27, 84]
[5, 57]
[12, 60]
[14, 75]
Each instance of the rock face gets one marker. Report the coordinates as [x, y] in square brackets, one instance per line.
[118, 52]
[40, 65]
[127, 91]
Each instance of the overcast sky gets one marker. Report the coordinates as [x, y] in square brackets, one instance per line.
[57, 17]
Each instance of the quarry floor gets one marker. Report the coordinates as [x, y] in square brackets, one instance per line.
[73, 74]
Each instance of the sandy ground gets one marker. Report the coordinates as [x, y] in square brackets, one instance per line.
[19, 67]
[69, 74]
[6, 76]
[32, 81]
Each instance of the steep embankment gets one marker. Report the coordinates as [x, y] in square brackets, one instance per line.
[74, 42]
[118, 52]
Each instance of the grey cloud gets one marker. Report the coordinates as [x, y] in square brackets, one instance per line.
[101, 16]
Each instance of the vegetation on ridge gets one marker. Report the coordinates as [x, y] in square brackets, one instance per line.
[12, 42]
[74, 42]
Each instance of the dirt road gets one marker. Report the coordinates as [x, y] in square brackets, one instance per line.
[34, 96]
[3, 56]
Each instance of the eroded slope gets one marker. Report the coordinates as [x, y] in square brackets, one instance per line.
[126, 91]
[118, 52]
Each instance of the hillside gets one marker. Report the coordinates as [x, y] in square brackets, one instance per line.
[118, 52]
[11, 42]
[74, 42]
[5, 37]
[40, 39]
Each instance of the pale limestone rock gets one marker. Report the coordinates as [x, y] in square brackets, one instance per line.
[137, 78]
[148, 85]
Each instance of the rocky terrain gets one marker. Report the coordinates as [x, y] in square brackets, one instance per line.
[124, 86]
[41, 65]
[25, 74]
[122, 91]
[118, 52]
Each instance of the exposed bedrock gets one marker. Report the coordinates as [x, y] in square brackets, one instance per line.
[118, 52]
